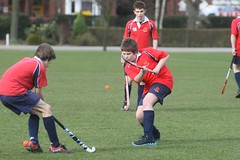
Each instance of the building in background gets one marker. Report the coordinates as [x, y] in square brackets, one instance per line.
[229, 8]
[47, 9]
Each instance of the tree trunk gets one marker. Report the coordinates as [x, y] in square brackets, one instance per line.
[14, 20]
[162, 13]
[192, 12]
[157, 16]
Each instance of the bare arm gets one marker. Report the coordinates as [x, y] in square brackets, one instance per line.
[160, 64]
[233, 42]
[38, 91]
[155, 43]
[140, 75]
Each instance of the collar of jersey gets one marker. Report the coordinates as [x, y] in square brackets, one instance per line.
[37, 59]
[145, 19]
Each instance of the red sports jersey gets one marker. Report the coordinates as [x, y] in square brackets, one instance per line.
[149, 57]
[143, 34]
[23, 76]
[235, 30]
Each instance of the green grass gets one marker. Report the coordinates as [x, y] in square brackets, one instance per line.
[196, 121]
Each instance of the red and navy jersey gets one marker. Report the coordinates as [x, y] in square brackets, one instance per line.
[141, 33]
[150, 57]
[22, 76]
[235, 30]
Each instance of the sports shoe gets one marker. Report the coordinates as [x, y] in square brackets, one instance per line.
[34, 147]
[238, 94]
[145, 141]
[59, 149]
[157, 135]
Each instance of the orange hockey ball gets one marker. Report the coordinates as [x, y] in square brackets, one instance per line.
[25, 143]
[107, 87]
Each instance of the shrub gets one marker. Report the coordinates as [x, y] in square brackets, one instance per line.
[34, 39]
[79, 26]
[5, 26]
[86, 39]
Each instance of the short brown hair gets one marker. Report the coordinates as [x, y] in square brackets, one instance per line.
[129, 45]
[139, 5]
[45, 52]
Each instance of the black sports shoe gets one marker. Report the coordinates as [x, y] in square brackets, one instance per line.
[238, 94]
[145, 141]
[157, 135]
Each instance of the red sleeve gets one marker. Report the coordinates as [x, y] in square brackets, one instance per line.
[154, 31]
[127, 29]
[234, 26]
[155, 53]
[131, 71]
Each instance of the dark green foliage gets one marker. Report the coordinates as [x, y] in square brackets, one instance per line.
[5, 26]
[23, 23]
[34, 39]
[79, 26]
[85, 39]
[175, 22]
[217, 22]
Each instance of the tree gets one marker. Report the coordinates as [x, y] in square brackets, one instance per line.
[106, 10]
[192, 12]
[159, 13]
[14, 20]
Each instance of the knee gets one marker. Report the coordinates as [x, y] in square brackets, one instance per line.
[47, 110]
[139, 117]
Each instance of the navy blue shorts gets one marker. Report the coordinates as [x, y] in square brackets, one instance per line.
[236, 60]
[22, 103]
[158, 89]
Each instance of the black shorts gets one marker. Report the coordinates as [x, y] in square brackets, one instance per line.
[158, 89]
[22, 103]
[236, 60]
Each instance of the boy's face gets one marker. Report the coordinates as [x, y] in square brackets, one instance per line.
[129, 56]
[46, 63]
[140, 13]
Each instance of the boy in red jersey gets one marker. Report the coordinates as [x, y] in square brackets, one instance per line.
[142, 30]
[157, 85]
[235, 43]
[16, 94]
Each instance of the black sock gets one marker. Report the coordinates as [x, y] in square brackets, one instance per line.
[33, 126]
[49, 125]
[140, 92]
[148, 119]
[237, 78]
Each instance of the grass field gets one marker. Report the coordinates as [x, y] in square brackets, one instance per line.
[196, 121]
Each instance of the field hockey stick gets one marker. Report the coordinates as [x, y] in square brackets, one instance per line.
[127, 93]
[228, 73]
[140, 67]
[78, 141]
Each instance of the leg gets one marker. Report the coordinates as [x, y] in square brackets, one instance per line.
[33, 126]
[148, 113]
[49, 124]
[236, 70]
[48, 121]
[145, 116]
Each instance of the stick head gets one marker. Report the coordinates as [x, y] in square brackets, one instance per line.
[91, 150]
